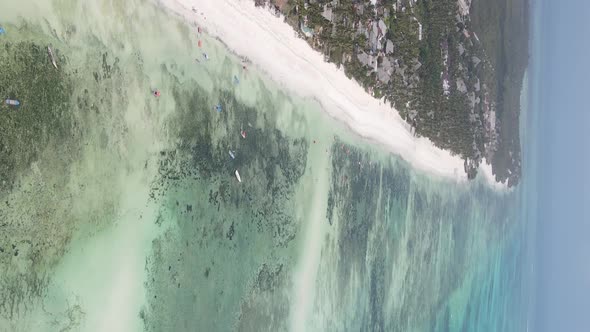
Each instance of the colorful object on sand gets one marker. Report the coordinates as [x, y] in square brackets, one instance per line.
[2, 31]
[156, 93]
[218, 108]
[200, 43]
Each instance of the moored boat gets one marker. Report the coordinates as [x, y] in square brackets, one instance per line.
[238, 176]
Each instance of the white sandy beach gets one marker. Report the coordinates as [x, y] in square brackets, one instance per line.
[273, 47]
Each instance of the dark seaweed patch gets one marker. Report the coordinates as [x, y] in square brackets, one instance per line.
[274, 161]
[373, 202]
[43, 118]
[270, 164]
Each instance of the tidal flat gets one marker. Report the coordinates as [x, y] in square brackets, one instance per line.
[120, 210]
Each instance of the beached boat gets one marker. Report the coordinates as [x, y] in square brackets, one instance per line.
[238, 176]
[52, 57]
[12, 102]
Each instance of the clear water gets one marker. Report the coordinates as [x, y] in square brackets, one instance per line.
[150, 230]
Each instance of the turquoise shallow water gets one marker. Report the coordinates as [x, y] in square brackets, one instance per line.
[324, 233]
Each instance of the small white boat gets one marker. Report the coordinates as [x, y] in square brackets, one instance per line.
[232, 155]
[12, 102]
[52, 57]
[238, 176]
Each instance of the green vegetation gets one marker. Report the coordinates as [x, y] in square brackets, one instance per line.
[453, 117]
[31, 216]
[503, 27]
[445, 119]
[57, 124]
[266, 154]
[43, 116]
[245, 224]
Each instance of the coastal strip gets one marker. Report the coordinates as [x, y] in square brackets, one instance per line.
[274, 48]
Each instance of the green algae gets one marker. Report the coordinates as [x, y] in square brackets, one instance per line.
[43, 117]
[240, 230]
[225, 254]
[270, 162]
[413, 243]
[40, 128]
[43, 186]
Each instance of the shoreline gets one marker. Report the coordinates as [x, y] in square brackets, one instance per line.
[503, 27]
[273, 47]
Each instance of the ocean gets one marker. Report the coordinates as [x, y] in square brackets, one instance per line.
[125, 214]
